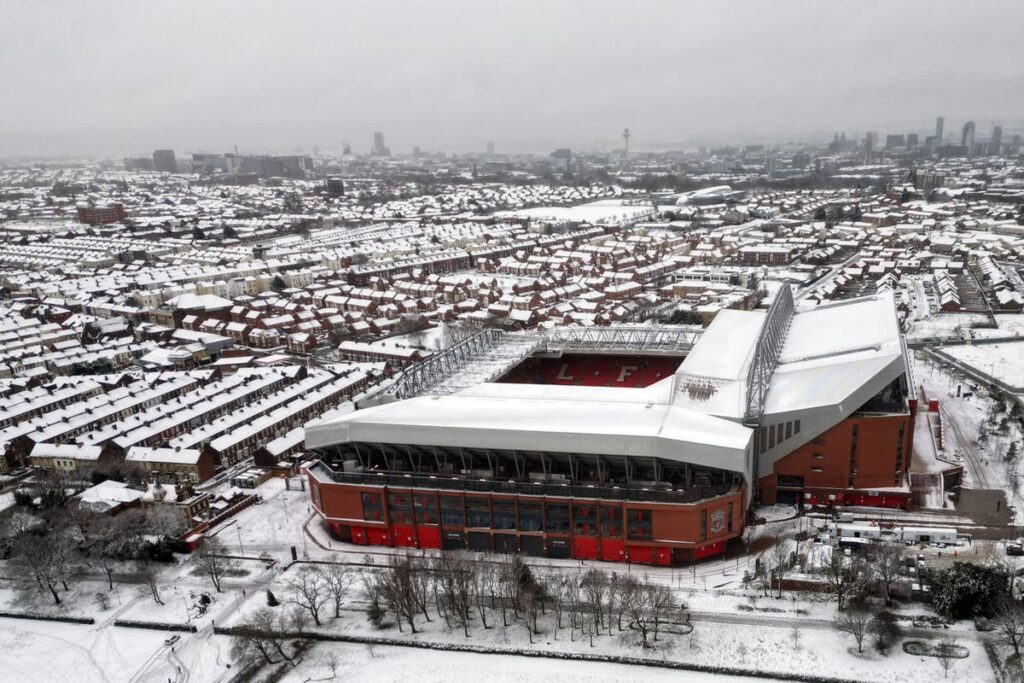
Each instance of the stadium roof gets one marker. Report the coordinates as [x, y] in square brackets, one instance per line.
[568, 420]
[832, 361]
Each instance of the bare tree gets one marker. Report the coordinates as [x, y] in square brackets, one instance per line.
[397, 590]
[888, 559]
[854, 621]
[1009, 621]
[946, 650]
[779, 558]
[595, 591]
[612, 599]
[641, 619]
[845, 577]
[886, 631]
[629, 592]
[273, 627]
[662, 603]
[262, 634]
[104, 545]
[375, 612]
[149, 571]
[455, 577]
[483, 582]
[338, 580]
[529, 600]
[212, 560]
[39, 556]
[309, 591]
[421, 585]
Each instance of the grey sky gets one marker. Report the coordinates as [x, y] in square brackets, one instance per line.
[114, 78]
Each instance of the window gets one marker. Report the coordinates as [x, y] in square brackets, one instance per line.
[778, 433]
[557, 518]
[529, 515]
[730, 517]
[899, 455]
[452, 512]
[817, 469]
[426, 508]
[703, 525]
[771, 437]
[853, 455]
[638, 524]
[372, 511]
[504, 512]
[796, 426]
[789, 429]
[584, 520]
[478, 512]
[611, 521]
[817, 456]
[400, 508]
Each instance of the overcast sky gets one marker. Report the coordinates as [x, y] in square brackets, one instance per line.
[113, 78]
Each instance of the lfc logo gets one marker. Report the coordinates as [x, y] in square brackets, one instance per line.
[717, 522]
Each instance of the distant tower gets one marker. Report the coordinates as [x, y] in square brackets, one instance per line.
[869, 147]
[625, 138]
[379, 148]
[997, 141]
[490, 150]
[939, 124]
[967, 137]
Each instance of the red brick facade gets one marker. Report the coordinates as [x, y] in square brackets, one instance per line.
[861, 461]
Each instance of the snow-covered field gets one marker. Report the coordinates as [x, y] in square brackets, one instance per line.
[1004, 360]
[383, 663]
[47, 652]
[732, 628]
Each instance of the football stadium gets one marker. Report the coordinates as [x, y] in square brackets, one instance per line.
[644, 444]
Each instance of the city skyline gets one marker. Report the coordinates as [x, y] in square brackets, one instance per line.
[313, 77]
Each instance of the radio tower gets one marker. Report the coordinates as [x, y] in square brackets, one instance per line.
[625, 138]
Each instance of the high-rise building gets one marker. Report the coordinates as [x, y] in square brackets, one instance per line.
[892, 141]
[929, 145]
[490, 149]
[967, 137]
[939, 124]
[997, 140]
[869, 147]
[164, 161]
[379, 149]
[912, 140]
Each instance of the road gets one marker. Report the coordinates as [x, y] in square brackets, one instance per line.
[828, 277]
[975, 467]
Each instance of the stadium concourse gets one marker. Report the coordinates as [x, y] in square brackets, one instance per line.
[618, 444]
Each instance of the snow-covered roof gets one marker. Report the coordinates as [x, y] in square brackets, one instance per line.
[573, 419]
[175, 456]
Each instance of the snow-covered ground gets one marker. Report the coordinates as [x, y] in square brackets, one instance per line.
[599, 212]
[48, 652]
[1004, 360]
[383, 663]
[985, 460]
[733, 627]
[946, 325]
